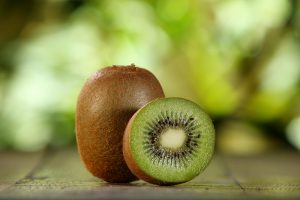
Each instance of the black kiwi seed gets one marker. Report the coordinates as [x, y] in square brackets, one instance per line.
[165, 120]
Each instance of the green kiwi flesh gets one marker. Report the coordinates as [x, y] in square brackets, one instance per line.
[169, 141]
[106, 103]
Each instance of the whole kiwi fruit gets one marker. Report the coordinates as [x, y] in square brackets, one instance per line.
[169, 141]
[105, 104]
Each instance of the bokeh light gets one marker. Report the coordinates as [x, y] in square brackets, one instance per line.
[238, 59]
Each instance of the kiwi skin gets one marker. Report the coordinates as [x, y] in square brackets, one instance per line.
[105, 104]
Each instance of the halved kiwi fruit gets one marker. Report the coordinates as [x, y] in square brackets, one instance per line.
[169, 141]
[107, 101]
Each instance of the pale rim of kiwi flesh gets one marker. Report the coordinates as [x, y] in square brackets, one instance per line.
[172, 170]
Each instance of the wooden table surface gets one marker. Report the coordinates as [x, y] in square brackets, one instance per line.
[59, 174]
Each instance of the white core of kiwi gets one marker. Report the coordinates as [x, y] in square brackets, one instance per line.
[173, 138]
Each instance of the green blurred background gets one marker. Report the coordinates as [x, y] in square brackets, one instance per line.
[239, 59]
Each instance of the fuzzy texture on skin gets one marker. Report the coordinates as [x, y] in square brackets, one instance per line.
[106, 103]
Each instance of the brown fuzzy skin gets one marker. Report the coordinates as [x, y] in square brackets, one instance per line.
[106, 103]
[133, 166]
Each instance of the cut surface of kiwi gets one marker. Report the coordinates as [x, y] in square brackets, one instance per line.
[169, 141]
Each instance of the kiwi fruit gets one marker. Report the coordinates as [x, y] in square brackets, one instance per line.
[169, 141]
[105, 104]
